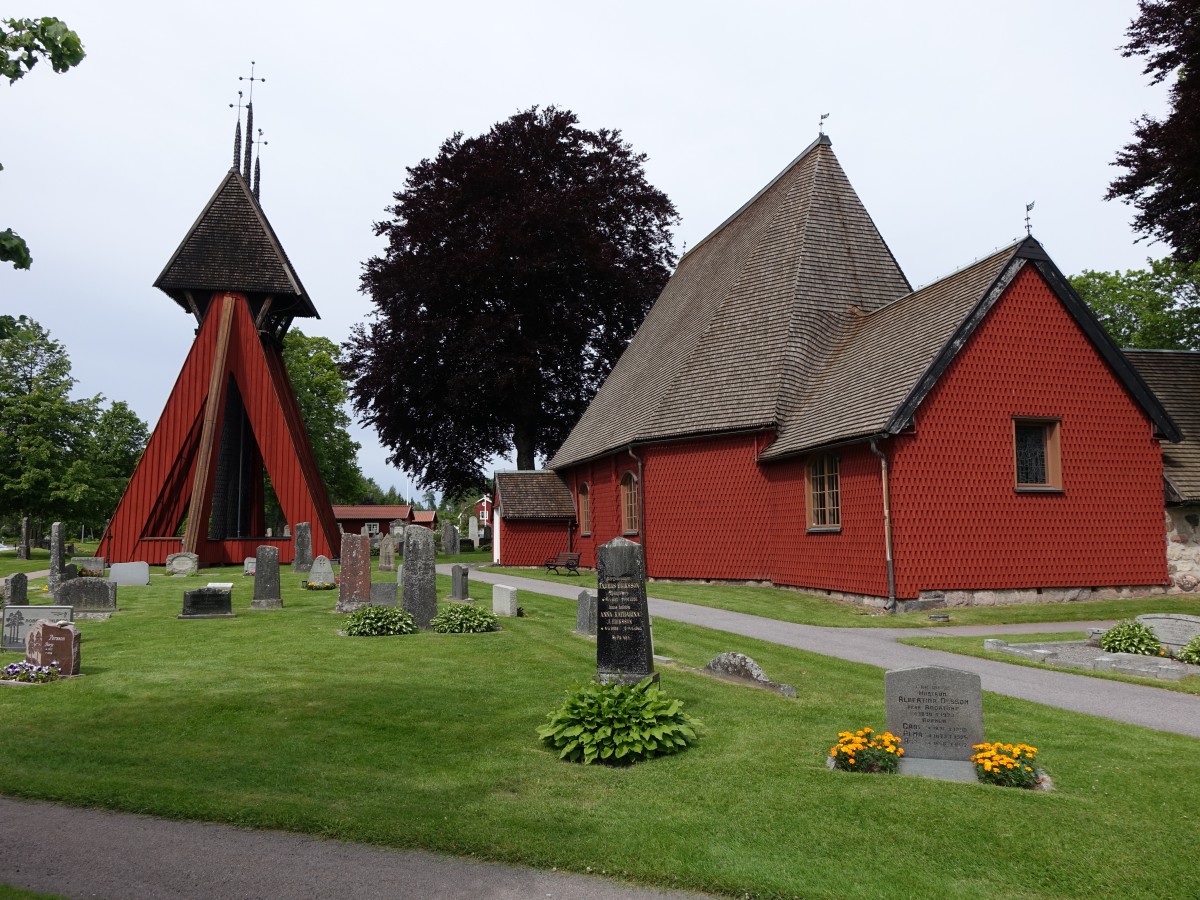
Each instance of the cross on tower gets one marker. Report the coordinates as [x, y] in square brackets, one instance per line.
[250, 78]
[1028, 210]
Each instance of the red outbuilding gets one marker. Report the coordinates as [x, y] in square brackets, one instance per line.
[376, 518]
[980, 439]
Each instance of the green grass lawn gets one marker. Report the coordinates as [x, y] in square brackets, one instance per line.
[272, 720]
[809, 609]
[973, 646]
[39, 559]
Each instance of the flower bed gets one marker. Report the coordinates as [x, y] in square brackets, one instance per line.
[866, 751]
[28, 673]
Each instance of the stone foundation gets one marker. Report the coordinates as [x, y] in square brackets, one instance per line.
[1183, 547]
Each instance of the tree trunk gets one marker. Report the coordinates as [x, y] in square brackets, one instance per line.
[524, 442]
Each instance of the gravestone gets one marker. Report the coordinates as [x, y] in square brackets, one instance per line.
[270, 532]
[473, 532]
[938, 715]
[287, 530]
[91, 564]
[58, 569]
[266, 578]
[419, 576]
[504, 600]
[364, 531]
[450, 543]
[385, 593]
[387, 553]
[458, 583]
[132, 573]
[624, 646]
[740, 667]
[16, 589]
[48, 643]
[23, 545]
[302, 561]
[91, 598]
[207, 603]
[15, 622]
[354, 589]
[1173, 630]
[321, 571]
[249, 565]
[180, 565]
[585, 613]
[399, 529]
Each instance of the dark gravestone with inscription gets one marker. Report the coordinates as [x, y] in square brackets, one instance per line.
[418, 594]
[16, 589]
[458, 583]
[92, 598]
[585, 613]
[266, 578]
[624, 648]
[207, 603]
[302, 547]
[354, 588]
[48, 643]
[938, 715]
[15, 622]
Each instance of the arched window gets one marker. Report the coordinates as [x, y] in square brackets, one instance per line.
[629, 503]
[585, 509]
[824, 493]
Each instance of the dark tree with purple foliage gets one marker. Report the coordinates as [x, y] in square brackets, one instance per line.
[519, 264]
[1163, 163]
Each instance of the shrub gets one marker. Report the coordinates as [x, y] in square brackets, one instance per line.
[28, 672]
[618, 724]
[373, 621]
[463, 619]
[1008, 765]
[1130, 636]
[866, 751]
[1191, 651]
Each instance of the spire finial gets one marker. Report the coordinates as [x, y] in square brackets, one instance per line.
[237, 134]
[250, 78]
[257, 160]
[1028, 210]
[821, 123]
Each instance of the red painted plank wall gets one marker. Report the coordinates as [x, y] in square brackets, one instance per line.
[958, 521]
[530, 542]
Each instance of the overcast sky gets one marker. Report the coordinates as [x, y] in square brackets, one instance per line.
[948, 118]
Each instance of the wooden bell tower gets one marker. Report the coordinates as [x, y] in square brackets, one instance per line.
[232, 415]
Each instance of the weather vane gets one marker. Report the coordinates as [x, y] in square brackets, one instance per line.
[821, 124]
[250, 78]
[1028, 210]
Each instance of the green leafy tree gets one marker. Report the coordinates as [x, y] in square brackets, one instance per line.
[22, 43]
[1157, 308]
[533, 251]
[44, 434]
[118, 437]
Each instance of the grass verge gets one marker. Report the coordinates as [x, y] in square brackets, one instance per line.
[272, 720]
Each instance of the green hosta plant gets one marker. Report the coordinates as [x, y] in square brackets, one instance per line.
[373, 621]
[1191, 651]
[463, 619]
[618, 724]
[1130, 636]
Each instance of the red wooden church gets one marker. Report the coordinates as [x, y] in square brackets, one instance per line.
[232, 416]
[981, 439]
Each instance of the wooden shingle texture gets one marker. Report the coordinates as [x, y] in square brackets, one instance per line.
[533, 495]
[1174, 376]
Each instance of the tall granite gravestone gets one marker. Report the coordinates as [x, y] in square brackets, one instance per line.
[387, 553]
[458, 583]
[322, 571]
[23, 546]
[180, 565]
[419, 592]
[58, 573]
[938, 715]
[15, 622]
[473, 532]
[585, 613]
[504, 600]
[91, 598]
[16, 589]
[354, 589]
[132, 573]
[266, 578]
[302, 561]
[48, 643]
[207, 603]
[624, 647]
[399, 529]
[249, 565]
[450, 543]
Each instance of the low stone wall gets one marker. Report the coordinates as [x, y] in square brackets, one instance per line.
[1183, 547]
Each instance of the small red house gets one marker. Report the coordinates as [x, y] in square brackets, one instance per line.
[535, 517]
[980, 439]
[376, 518]
[426, 518]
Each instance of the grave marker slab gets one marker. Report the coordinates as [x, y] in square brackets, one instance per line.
[207, 603]
[504, 600]
[16, 589]
[91, 598]
[266, 578]
[458, 583]
[250, 565]
[48, 643]
[1173, 630]
[385, 593]
[624, 646]
[387, 553]
[302, 560]
[15, 622]
[585, 613]
[354, 588]
[419, 576]
[321, 571]
[92, 564]
[180, 565]
[938, 715]
[132, 573]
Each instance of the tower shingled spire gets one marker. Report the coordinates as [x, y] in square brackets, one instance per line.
[237, 141]
[257, 174]
[249, 139]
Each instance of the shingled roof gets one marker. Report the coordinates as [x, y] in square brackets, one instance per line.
[231, 246]
[750, 313]
[1174, 376]
[533, 495]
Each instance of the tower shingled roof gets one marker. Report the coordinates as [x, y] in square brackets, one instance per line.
[232, 246]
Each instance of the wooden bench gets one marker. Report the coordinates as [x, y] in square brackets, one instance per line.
[568, 561]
